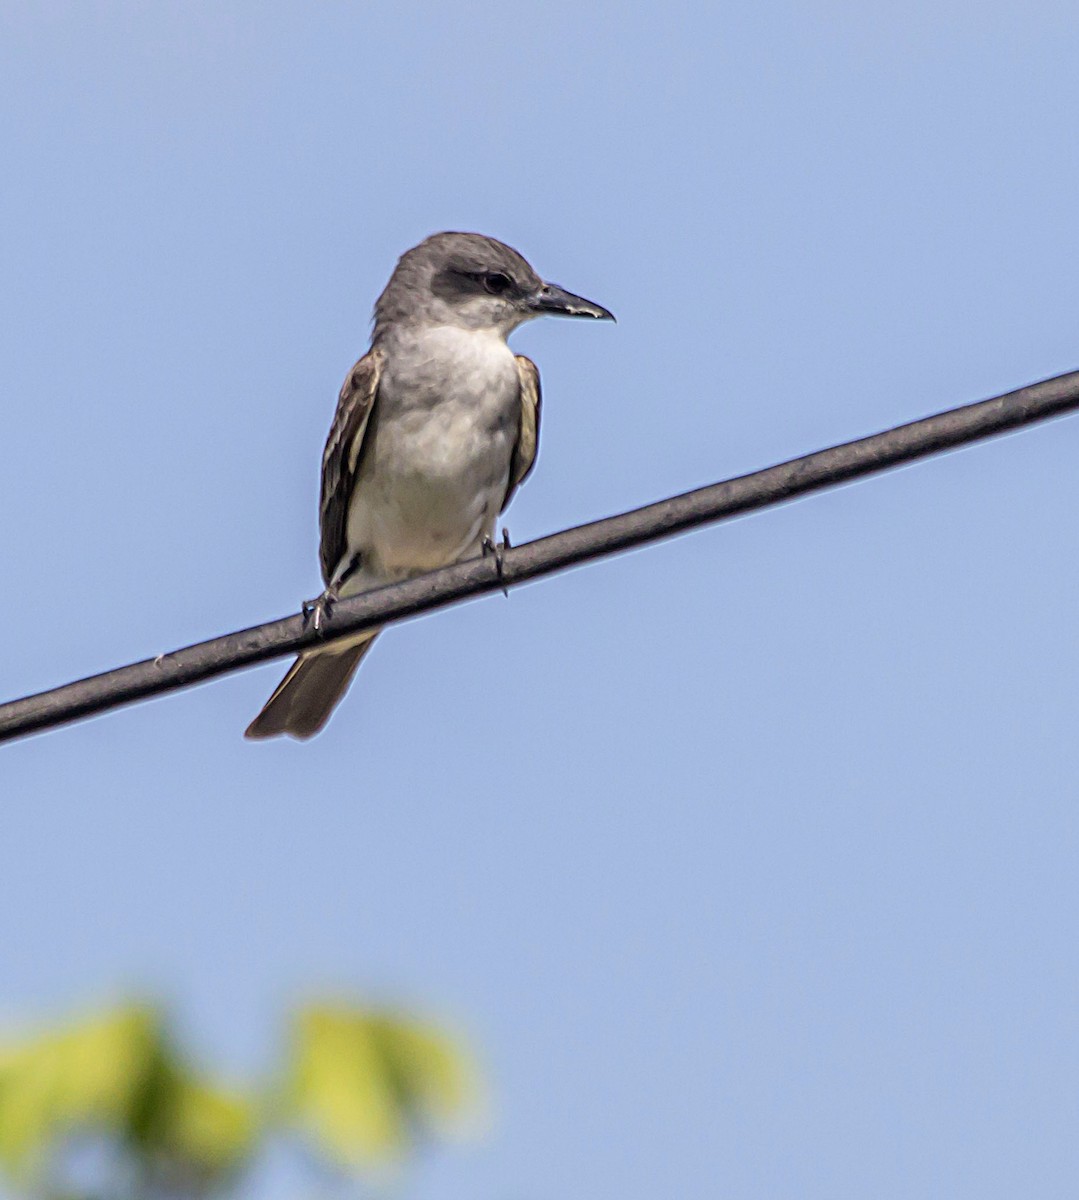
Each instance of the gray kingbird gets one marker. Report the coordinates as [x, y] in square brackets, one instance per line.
[436, 428]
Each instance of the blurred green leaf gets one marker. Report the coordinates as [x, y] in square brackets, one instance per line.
[90, 1075]
[366, 1083]
[118, 1075]
[213, 1128]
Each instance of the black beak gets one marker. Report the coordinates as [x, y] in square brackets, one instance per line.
[553, 299]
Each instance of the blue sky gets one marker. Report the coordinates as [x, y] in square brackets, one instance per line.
[748, 861]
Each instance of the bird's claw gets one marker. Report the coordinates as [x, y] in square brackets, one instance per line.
[498, 549]
[318, 611]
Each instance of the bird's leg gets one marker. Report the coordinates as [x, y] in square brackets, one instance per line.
[317, 612]
[498, 549]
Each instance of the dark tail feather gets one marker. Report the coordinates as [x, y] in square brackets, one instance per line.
[307, 695]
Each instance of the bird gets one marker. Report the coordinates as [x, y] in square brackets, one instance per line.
[436, 428]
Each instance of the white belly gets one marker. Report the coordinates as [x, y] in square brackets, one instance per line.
[434, 475]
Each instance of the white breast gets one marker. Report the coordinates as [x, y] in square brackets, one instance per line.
[435, 472]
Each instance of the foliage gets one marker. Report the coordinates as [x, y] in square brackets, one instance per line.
[363, 1084]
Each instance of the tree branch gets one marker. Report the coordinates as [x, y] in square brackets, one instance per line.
[385, 606]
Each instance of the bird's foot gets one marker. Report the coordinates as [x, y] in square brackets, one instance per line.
[318, 611]
[498, 549]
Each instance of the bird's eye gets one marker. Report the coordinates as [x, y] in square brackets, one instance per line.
[497, 283]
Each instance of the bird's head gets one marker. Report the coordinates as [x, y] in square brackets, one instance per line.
[473, 282]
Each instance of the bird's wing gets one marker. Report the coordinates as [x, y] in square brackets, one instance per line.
[524, 452]
[341, 458]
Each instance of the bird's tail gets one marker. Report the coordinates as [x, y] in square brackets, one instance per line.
[304, 699]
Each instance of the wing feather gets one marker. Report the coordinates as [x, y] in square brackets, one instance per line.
[524, 452]
[341, 458]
